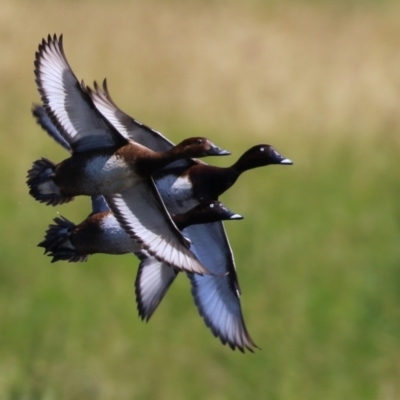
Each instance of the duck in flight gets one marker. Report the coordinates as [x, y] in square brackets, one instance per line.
[100, 232]
[105, 161]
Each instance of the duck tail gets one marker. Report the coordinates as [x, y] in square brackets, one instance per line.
[57, 243]
[41, 185]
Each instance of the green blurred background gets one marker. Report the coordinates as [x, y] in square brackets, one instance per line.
[318, 253]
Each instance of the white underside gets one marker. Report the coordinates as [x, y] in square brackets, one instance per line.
[117, 238]
[108, 175]
[177, 193]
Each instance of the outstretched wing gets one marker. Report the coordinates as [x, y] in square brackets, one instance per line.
[126, 125]
[142, 214]
[130, 127]
[67, 102]
[152, 283]
[217, 296]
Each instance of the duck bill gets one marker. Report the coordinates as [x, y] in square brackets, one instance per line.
[286, 161]
[235, 216]
[223, 152]
[217, 151]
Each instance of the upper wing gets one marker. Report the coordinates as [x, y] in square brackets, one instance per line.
[152, 283]
[217, 296]
[45, 122]
[67, 103]
[142, 214]
[130, 127]
[126, 125]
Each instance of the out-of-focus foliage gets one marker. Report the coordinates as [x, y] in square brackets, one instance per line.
[318, 252]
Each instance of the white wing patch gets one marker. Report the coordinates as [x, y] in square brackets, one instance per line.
[141, 213]
[52, 71]
[67, 102]
[152, 283]
[129, 127]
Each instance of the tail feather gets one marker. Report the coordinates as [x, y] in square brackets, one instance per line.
[41, 184]
[57, 243]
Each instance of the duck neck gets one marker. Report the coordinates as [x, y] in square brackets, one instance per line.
[182, 221]
[210, 182]
[191, 217]
[244, 163]
[159, 160]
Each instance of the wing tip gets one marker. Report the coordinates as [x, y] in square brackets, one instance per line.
[143, 315]
[243, 339]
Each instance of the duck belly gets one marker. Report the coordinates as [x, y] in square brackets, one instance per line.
[102, 174]
[109, 175]
[114, 239]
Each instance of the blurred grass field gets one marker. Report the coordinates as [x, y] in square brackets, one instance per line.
[318, 253]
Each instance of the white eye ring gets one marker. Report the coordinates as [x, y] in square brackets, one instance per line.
[262, 148]
[211, 205]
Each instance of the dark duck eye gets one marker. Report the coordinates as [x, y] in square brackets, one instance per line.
[199, 141]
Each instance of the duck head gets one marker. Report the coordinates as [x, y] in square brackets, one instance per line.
[205, 213]
[261, 155]
[196, 147]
